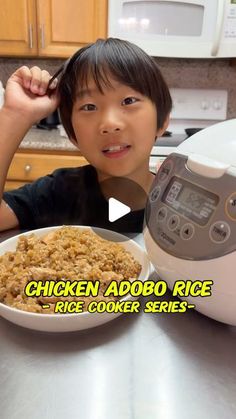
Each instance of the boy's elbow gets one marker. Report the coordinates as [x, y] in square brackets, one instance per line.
[8, 219]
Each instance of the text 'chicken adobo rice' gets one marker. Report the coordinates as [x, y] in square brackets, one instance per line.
[65, 254]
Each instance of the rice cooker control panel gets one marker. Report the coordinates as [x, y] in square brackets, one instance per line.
[191, 216]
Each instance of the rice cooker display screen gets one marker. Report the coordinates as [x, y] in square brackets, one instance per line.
[190, 200]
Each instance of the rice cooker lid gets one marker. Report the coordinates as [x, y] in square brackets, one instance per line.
[191, 208]
[216, 143]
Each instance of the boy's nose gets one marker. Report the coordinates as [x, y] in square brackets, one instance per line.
[110, 124]
[109, 130]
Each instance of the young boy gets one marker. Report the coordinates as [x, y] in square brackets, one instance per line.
[113, 103]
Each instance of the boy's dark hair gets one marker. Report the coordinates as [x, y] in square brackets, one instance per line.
[125, 62]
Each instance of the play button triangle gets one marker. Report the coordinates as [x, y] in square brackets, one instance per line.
[116, 209]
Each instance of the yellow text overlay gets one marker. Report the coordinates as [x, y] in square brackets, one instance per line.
[117, 291]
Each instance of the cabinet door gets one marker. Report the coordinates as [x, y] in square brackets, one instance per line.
[18, 27]
[66, 25]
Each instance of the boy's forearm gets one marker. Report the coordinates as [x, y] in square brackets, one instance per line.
[13, 128]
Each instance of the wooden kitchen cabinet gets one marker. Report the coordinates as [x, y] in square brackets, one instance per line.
[29, 166]
[66, 25]
[17, 27]
[50, 28]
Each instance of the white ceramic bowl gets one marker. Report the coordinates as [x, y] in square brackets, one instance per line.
[74, 321]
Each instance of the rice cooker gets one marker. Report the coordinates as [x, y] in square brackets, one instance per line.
[190, 218]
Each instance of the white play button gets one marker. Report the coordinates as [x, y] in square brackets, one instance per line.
[116, 209]
[123, 209]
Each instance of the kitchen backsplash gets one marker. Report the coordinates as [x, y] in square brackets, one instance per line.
[184, 73]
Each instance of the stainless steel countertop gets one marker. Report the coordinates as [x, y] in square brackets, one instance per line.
[139, 366]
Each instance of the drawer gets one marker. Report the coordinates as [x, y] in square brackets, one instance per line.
[28, 167]
[13, 184]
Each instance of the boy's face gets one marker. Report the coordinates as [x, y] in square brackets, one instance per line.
[115, 131]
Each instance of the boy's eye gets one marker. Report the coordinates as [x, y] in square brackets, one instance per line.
[129, 100]
[88, 107]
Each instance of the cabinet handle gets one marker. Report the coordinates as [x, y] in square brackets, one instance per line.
[30, 36]
[28, 168]
[42, 36]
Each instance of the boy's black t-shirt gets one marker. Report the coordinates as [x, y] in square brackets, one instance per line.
[66, 197]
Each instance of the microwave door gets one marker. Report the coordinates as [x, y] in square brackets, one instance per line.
[169, 28]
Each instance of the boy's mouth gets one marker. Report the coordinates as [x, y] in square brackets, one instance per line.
[115, 148]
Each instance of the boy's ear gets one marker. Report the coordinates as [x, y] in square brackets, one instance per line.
[161, 130]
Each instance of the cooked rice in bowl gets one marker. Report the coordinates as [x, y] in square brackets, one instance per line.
[67, 253]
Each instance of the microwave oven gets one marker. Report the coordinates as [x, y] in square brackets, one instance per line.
[176, 28]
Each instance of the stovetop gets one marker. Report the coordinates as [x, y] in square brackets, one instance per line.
[193, 109]
[170, 141]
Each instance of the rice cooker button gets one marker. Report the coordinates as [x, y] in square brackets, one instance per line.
[165, 170]
[173, 222]
[187, 231]
[155, 194]
[219, 232]
[161, 214]
[231, 206]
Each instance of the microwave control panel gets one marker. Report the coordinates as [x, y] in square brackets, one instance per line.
[230, 20]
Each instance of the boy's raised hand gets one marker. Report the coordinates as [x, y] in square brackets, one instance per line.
[26, 94]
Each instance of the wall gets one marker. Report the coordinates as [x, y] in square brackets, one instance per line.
[185, 73]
